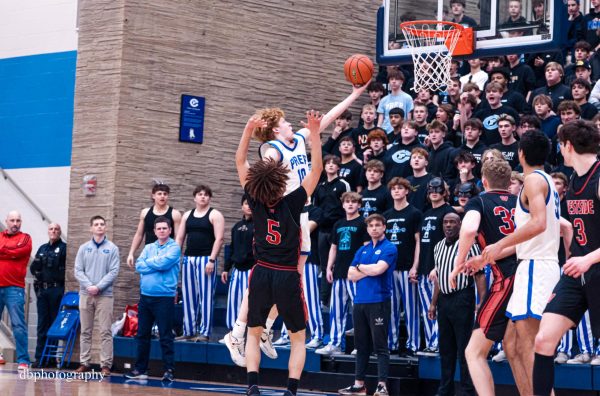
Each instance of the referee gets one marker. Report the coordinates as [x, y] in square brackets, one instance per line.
[455, 308]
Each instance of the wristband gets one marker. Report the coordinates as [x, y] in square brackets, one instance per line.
[211, 260]
[357, 267]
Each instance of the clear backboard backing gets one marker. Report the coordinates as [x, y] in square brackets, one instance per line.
[501, 27]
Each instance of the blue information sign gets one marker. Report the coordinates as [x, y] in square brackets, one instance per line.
[191, 121]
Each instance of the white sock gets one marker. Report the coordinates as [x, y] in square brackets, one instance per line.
[239, 329]
[269, 324]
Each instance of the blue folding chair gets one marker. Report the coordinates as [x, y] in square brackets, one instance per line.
[63, 332]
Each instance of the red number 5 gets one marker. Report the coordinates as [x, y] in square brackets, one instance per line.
[273, 237]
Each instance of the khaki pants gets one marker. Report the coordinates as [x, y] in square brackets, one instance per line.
[101, 308]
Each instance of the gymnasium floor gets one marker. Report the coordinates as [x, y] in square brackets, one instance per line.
[15, 383]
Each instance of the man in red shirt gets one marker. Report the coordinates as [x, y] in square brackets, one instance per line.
[15, 250]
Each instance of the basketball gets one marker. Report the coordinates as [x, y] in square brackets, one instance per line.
[358, 69]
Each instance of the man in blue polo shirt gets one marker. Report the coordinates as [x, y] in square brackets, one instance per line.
[372, 269]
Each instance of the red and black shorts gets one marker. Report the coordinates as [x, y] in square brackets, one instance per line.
[270, 285]
[491, 317]
[573, 296]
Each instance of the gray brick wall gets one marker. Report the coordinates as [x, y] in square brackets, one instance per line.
[135, 59]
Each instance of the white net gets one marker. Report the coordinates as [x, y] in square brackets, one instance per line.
[432, 44]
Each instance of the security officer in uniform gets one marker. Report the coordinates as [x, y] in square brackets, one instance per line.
[48, 268]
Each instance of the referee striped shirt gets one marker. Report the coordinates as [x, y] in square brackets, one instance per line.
[444, 255]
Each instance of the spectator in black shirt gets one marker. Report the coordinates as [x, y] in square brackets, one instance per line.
[348, 235]
[509, 146]
[489, 116]
[515, 19]
[458, 14]
[580, 90]
[440, 151]
[445, 114]
[420, 116]
[575, 31]
[581, 54]
[540, 61]
[327, 197]
[472, 132]
[397, 158]
[396, 119]
[431, 233]
[240, 262]
[425, 97]
[367, 124]
[376, 91]
[419, 179]
[521, 76]
[377, 143]
[376, 197]
[350, 168]
[342, 128]
[465, 163]
[512, 99]
[591, 25]
[554, 88]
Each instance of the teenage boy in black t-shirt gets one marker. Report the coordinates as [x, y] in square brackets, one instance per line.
[376, 197]
[350, 168]
[509, 146]
[431, 233]
[347, 236]
[403, 230]
[419, 179]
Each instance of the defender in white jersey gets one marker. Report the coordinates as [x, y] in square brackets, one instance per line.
[282, 144]
[536, 239]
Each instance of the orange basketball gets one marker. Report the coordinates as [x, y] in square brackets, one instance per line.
[358, 69]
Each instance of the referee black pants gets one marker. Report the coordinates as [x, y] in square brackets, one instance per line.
[371, 323]
[456, 313]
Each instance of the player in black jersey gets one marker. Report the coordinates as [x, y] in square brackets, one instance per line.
[577, 290]
[275, 279]
[490, 216]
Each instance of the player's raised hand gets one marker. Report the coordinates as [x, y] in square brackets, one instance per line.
[575, 266]
[255, 122]
[359, 89]
[313, 123]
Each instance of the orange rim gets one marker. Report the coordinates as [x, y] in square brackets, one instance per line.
[409, 26]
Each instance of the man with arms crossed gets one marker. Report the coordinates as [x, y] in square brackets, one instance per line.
[536, 238]
[276, 279]
[577, 290]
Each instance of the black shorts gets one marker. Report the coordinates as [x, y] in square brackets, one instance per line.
[268, 287]
[571, 297]
[491, 317]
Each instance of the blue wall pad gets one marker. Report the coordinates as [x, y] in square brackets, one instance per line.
[36, 109]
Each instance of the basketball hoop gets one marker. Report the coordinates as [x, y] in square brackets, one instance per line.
[432, 44]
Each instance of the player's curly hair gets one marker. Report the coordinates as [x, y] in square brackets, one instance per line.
[266, 181]
[272, 117]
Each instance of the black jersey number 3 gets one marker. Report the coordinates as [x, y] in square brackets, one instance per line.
[273, 236]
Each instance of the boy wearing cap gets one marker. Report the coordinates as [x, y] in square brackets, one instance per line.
[583, 70]
[458, 14]
[514, 99]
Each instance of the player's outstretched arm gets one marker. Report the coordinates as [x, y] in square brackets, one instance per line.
[312, 178]
[241, 155]
[338, 109]
[535, 190]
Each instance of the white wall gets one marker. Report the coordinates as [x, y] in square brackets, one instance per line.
[29, 27]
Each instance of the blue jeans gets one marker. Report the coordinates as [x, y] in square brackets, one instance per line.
[13, 298]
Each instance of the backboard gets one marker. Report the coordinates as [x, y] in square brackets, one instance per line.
[501, 26]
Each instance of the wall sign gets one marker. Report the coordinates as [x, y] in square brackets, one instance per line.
[191, 120]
